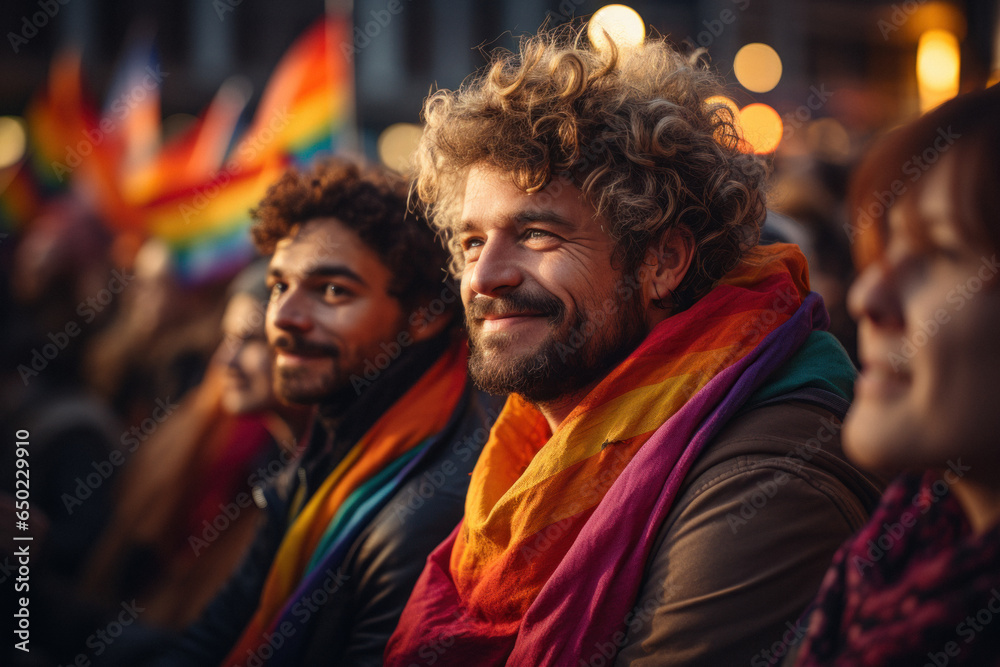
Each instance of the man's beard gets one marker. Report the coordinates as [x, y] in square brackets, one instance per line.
[309, 386]
[572, 356]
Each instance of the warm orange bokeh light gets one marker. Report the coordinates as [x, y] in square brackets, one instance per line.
[621, 23]
[757, 67]
[938, 63]
[761, 127]
[722, 99]
[13, 140]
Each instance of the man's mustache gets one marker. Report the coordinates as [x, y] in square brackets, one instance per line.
[516, 302]
[293, 345]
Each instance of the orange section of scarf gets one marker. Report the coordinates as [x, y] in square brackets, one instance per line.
[532, 491]
[421, 412]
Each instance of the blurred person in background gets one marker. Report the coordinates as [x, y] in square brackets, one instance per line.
[365, 329]
[813, 204]
[919, 583]
[161, 340]
[61, 262]
[184, 511]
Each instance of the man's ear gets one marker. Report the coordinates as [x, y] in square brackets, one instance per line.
[428, 326]
[666, 263]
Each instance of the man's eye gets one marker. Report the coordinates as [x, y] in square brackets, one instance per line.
[276, 289]
[538, 235]
[336, 291]
[471, 248]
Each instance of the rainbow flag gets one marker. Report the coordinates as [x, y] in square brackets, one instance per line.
[206, 224]
[301, 114]
[196, 191]
[73, 145]
[304, 108]
[132, 106]
[193, 156]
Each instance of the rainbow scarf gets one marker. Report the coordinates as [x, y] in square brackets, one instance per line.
[558, 526]
[343, 504]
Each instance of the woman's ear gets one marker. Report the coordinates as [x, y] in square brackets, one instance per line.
[666, 263]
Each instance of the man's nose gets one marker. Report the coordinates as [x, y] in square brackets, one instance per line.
[291, 311]
[496, 270]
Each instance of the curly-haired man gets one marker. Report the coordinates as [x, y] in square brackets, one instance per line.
[363, 327]
[664, 483]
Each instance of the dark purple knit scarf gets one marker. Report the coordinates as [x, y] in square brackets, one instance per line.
[913, 587]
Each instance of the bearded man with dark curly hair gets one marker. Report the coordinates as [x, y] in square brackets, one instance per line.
[665, 483]
[365, 327]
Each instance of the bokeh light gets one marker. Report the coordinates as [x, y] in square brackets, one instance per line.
[938, 63]
[397, 144]
[13, 140]
[761, 127]
[623, 24]
[828, 139]
[715, 100]
[757, 67]
[931, 16]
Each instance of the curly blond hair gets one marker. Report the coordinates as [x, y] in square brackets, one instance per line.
[631, 129]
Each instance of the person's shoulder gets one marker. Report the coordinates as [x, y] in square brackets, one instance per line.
[800, 437]
[748, 538]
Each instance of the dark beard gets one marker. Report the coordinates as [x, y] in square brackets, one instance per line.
[288, 387]
[573, 357]
[288, 382]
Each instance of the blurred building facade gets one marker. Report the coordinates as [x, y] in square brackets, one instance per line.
[850, 59]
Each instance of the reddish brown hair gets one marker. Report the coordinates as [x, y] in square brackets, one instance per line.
[893, 171]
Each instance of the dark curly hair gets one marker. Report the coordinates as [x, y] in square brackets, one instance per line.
[371, 201]
[631, 129]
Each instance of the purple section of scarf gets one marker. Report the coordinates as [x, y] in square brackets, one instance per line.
[586, 600]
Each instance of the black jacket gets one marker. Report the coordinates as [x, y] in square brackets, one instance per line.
[369, 591]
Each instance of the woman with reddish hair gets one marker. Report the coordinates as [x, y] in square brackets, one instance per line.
[920, 583]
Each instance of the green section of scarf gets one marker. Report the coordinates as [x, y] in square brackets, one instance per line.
[821, 363]
[369, 495]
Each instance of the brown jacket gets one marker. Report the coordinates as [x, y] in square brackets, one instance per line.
[748, 541]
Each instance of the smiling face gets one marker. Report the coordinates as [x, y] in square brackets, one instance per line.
[548, 315]
[246, 357]
[330, 311]
[928, 312]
